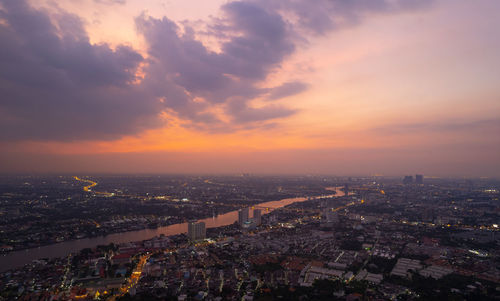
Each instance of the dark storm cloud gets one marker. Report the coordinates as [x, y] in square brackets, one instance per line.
[56, 85]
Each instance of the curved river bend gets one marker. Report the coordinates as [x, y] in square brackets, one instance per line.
[19, 258]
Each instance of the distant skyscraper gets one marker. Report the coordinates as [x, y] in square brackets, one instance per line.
[419, 179]
[196, 231]
[243, 216]
[257, 216]
[408, 180]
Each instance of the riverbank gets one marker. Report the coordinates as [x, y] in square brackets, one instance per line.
[19, 258]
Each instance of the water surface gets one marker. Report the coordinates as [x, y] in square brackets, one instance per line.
[22, 257]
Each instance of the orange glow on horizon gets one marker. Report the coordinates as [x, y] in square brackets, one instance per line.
[417, 86]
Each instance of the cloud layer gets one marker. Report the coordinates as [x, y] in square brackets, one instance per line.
[56, 85]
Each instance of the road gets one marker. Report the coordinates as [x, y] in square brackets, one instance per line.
[88, 187]
[133, 279]
[136, 274]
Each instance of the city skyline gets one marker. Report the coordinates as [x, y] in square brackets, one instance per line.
[342, 88]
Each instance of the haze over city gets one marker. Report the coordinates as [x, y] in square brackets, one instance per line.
[286, 87]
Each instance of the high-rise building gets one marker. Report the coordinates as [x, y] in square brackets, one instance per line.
[257, 216]
[419, 179]
[408, 180]
[346, 189]
[196, 231]
[243, 216]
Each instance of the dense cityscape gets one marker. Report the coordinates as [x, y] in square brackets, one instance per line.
[249, 150]
[250, 237]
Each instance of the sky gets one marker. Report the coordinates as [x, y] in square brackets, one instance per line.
[359, 87]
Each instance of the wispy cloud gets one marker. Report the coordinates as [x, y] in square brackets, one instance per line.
[484, 126]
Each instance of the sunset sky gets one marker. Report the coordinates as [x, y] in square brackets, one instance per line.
[341, 87]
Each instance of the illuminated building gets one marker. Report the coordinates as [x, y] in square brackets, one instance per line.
[257, 217]
[243, 216]
[196, 231]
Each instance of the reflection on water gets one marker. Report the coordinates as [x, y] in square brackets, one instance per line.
[19, 258]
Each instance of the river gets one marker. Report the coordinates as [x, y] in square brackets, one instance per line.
[19, 258]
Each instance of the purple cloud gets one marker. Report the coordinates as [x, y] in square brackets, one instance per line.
[287, 89]
[323, 16]
[229, 77]
[111, 2]
[57, 85]
[445, 126]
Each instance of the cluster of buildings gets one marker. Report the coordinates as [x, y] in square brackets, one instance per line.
[419, 179]
[247, 222]
[43, 210]
[387, 240]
